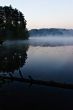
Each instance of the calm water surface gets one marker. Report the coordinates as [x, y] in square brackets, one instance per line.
[50, 63]
[41, 63]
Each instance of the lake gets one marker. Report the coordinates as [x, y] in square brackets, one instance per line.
[46, 59]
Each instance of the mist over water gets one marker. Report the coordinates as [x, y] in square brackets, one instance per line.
[51, 40]
[44, 41]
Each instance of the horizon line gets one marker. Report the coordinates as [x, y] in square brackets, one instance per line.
[50, 28]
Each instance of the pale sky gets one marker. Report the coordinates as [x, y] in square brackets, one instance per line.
[44, 13]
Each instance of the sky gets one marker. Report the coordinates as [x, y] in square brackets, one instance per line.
[44, 13]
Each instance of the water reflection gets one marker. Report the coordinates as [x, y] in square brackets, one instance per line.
[12, 57]
[43, 64]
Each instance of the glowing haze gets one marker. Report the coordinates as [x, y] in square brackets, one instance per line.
[44, 13]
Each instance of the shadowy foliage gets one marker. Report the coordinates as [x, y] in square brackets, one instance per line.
[12, 24]
[12, 58]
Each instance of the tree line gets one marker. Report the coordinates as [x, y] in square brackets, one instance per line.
[12, 24]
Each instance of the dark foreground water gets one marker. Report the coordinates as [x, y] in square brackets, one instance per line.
[38, 62]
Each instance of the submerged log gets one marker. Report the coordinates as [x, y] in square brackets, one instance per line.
[39, 82]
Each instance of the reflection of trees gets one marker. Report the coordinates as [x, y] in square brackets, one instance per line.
[12, 58]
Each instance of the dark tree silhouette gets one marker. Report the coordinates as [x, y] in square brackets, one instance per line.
[12, 58]
[12, 24]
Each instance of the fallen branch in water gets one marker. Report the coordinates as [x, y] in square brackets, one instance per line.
[39, 82]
